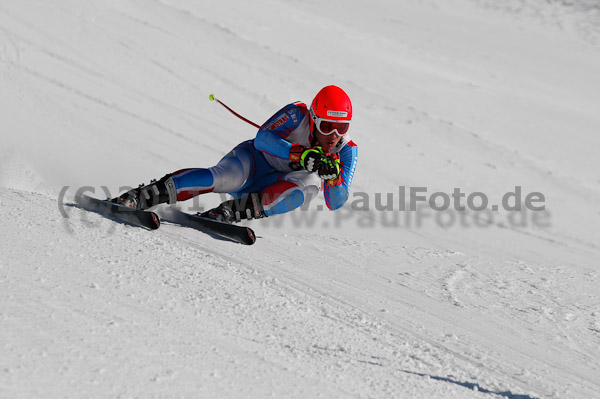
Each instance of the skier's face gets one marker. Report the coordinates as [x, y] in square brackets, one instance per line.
[328, 142]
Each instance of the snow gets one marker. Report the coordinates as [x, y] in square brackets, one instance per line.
[471, 94]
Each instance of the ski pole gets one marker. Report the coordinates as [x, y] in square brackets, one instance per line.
[213, 98]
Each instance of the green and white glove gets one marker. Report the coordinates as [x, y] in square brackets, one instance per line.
[314, 159]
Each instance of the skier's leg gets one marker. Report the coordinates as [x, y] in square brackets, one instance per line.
[273, 194]
[257, 189]
[230, 174]
[147, 196]
[291, 192]
[235, 170]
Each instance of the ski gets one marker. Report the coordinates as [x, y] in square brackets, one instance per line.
[122, 213]
[240, 234]
[151, 221]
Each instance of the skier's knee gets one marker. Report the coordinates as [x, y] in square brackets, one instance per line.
[228, 175]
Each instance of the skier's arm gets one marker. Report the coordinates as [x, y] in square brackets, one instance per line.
[271, 137]
[337, 191]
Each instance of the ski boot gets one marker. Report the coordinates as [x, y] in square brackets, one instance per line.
[248, 207]
[144, 197]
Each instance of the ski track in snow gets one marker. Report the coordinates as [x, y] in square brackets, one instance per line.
[470, 94]
[218, 298]
[299, 317]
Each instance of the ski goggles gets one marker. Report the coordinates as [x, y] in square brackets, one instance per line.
[328, 126]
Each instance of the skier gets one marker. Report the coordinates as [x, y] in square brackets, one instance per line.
[295, 153]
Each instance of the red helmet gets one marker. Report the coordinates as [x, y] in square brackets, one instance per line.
[332, 103]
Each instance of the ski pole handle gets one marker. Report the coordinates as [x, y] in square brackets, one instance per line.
[213, 98]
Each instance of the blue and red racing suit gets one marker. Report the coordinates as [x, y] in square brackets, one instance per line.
[262, 165]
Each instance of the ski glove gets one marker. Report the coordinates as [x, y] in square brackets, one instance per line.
[335, 178]
[313, 159]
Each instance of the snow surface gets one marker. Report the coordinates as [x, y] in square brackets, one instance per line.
[471, 94]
